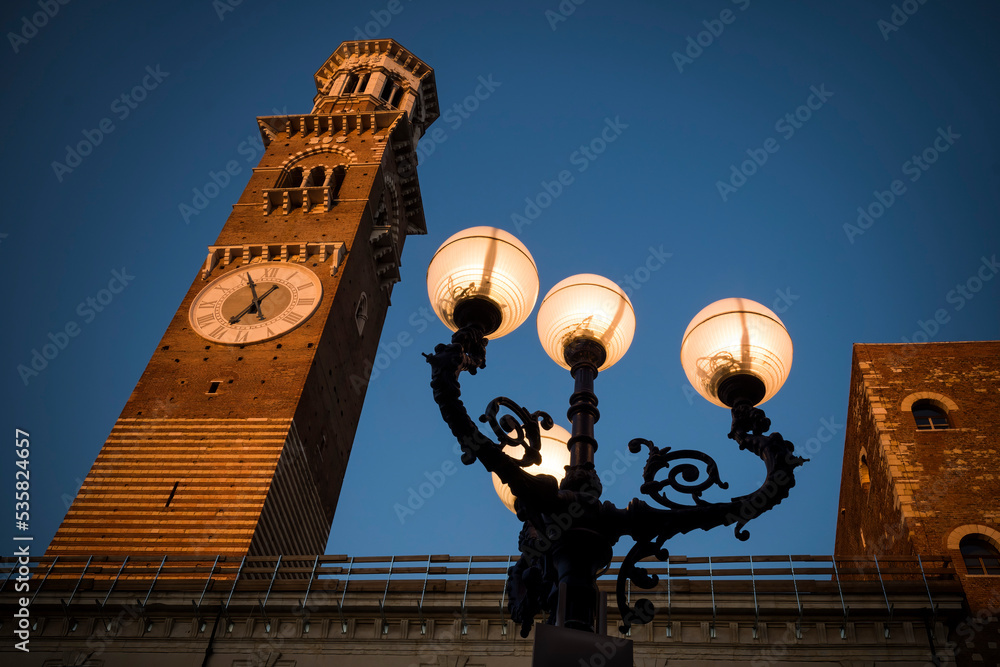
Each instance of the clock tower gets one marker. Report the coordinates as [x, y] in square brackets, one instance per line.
[237, 436]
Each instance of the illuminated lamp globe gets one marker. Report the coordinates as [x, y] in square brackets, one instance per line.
[586, 308]
[555, 458]
[483, 276]
[736, 349]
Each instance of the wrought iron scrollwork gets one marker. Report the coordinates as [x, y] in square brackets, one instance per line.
[519, 429]
[643, 610]
[683, 478]
[652, 527]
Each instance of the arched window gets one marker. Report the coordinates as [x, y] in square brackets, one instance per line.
[361, 314]
[980, 556]
[929, 416]
[317, 176]
[293, 179]
[866, 481]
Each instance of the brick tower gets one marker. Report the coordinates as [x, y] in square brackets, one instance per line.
[236, 438]
[922, 468]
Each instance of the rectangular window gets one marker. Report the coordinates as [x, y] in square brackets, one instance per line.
[171, 496]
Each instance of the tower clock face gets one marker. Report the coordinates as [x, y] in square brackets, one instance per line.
[255, 303]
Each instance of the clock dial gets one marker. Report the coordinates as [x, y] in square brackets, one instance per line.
[255, 303]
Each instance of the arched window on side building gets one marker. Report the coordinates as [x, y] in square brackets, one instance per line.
[929, 416]
[980, 556]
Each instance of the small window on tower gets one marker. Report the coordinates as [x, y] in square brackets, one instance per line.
[979, 555]
[386, 89]
[361, 314]
[213, 386]
[351, 85]
[397, 98]
[929, 416]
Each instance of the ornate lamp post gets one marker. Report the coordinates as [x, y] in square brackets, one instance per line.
[483, 283]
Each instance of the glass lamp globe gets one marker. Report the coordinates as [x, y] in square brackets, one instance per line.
[555, 458]
[736, 348]
[586, 307]
[487, 276]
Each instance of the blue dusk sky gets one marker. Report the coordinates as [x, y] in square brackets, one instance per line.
[835, 161]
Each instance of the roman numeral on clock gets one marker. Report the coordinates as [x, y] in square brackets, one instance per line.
[292, 317]
[205, 320]
[307, 301]
[218, 333]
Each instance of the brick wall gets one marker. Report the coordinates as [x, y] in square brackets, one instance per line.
[927, 488]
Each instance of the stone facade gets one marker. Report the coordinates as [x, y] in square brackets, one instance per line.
[423, 611]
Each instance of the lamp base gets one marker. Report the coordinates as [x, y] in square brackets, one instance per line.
[564, 647]
[584, 351]
[479, 312]
[741, 387]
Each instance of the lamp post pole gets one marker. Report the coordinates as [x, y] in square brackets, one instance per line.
[583, 550]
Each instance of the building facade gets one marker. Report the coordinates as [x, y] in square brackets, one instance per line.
[921, 468]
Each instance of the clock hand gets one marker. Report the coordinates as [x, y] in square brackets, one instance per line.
[252, 285]
[262, 296]
[273, 287]
[236, 318]
[254, 307]
[255, 302]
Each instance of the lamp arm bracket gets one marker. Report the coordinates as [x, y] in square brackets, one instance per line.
[515, 427]
[651, 527]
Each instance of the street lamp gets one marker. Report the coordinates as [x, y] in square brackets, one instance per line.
[736, 353]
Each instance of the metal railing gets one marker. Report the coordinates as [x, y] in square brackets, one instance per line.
[784, 584]
[301, 572]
